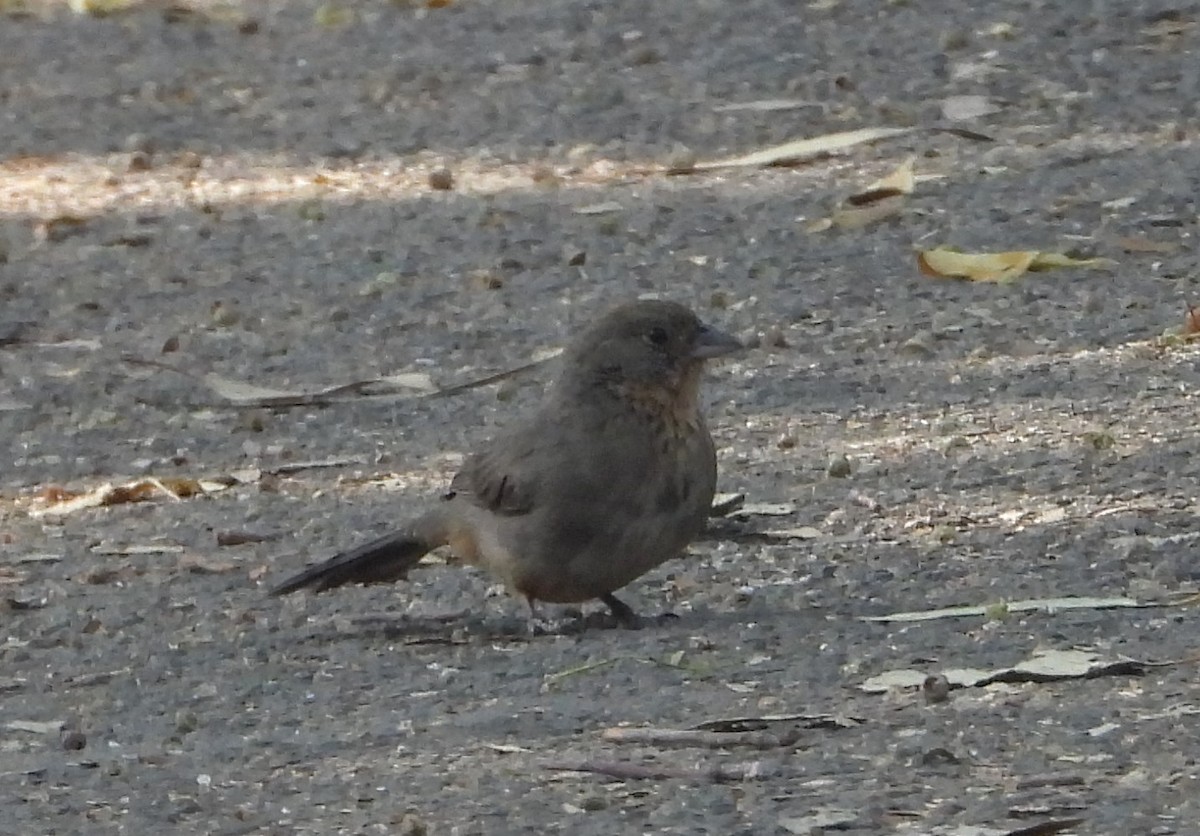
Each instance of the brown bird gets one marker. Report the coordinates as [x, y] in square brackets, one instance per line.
[613, 474]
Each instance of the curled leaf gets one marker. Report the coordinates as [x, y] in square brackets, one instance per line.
[1000, 267]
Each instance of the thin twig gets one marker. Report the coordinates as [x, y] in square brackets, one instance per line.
[625, 771]
[702, 739]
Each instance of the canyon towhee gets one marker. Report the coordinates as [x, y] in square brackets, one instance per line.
[611, 475]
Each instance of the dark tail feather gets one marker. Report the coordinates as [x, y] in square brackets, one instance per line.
[385, 560]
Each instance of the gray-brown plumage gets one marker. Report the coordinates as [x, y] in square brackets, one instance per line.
[613, 474]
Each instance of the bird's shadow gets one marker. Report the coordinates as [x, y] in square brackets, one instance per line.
[470, 627]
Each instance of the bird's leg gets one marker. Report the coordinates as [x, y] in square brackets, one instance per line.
[537, 626]
[621, 611]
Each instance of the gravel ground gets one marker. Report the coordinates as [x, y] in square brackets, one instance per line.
[248, 190]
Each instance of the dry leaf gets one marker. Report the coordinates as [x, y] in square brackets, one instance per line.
[858, 217]
[765, 105]
[996, 267]
[1044, 666]
[901, 181]
[1049, 605]
[882, 199]
[797, 151]
[62, 502]
[598, 208]
[1139, 244]
[198, 565]
[98, 8]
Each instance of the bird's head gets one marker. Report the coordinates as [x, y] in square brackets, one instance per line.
[647, 344]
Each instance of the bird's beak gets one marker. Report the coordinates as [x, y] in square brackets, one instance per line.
[711, 342]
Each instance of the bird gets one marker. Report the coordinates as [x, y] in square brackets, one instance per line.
[612, 474]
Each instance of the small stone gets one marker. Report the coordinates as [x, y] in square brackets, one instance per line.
[101, 575]
[919, 346]
[642, 56]
[750, 339]
[410, 824]
[487, 280]
[774, 337]
[936, 688]
[441, 179]
[593, 803]
[252, 420]
[189, 159]
[955, 39]
[786, 442]
[73, 740]
[223, 315]
[170, 344]
[507, 390]
[681, 161]
[574, 257]
[140, 161]
[838, 467]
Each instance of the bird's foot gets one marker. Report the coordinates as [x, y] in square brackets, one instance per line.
[625, 617]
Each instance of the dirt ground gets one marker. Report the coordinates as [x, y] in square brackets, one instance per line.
[248, 190]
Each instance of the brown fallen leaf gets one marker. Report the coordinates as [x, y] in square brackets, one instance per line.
[240, 538]
[61, 502]
[999, 267]
[882, 199]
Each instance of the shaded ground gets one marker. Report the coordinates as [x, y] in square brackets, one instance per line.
[254, 198]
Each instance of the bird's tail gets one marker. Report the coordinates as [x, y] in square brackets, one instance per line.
[385, 560]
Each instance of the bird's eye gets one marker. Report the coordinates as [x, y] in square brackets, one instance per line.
[658, 335]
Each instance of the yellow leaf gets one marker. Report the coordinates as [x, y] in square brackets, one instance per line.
[977, 267]
[98, 8]
[901, 181]
[996, 267]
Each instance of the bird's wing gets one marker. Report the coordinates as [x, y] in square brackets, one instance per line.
[503, 476]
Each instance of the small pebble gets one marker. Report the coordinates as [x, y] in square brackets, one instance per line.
[936, 688]
[774, 337]
[838, 467]
[223, 315]
[73, 740]
[140, 161]
[441, 179]
[185, 722]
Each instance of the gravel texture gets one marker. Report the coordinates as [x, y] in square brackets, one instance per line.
[298, 196]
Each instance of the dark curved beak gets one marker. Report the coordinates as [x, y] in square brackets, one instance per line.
[711, 342]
